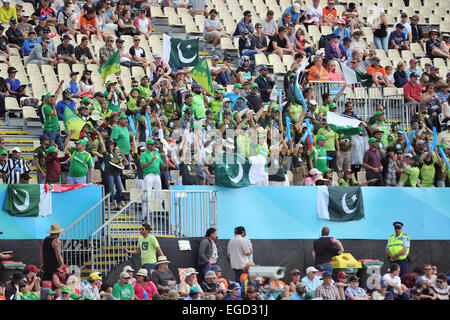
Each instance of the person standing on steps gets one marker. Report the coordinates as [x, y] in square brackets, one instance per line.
[50, 252]
[147, 247]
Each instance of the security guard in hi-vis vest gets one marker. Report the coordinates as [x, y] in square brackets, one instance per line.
[398, 248]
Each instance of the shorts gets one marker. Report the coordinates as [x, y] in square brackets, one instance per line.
[210, 36]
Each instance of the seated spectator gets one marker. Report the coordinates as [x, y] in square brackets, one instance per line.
[4, 47]
[162, 277]
[380, 292]
[24, 26]
[40, 54]
[143, 23]
[422, 291]
[443, 93]
[297, 15]
[300, 291]
[285, 20]
[67, 21]
[245, 71]
[400, 75]
[99, 11]
[390, 76]
[394, 282]
[244, 25]
[433, 75]
[280, 44]
[318, 72]
[441, 287]
[83, 54]
[406, 26]
[126, 26]
[189, 282]
[197, 7]
[247, 47]
[233, 292]
[42, 23]
[398, 39]
[416, 32]
[159, 62]
[333, 73]
[144, 288]
[378, 73]
[259, 39]
[301, 43]
[252, 294]
[73, 86]
[110, 15]
[428, 278]
[86, 83]
[89, 25]
[211, 287]
[138, 54]
[330, 14]
[342, 31]
[45, 10]
[212, 29]
[265, 83]
[380, 36]
[269, 25]
[13, 84]
[65, 51]
[7, 12]
[347, 42]
[122, 289]
[88, 5]
[311, 281]
[107, 50]
[413, 68]
[412, 91]
[15, 37]
[315, 13]
[291, 34]
[354, 292]
[335, 50]
[327, 290]
[351, 15]
[359, 44]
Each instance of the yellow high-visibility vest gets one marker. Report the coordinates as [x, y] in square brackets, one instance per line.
[396, 244]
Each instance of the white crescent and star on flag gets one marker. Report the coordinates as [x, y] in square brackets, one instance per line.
[344, 203]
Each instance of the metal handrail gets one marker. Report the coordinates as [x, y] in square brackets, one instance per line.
[110, 219]
[86, 213]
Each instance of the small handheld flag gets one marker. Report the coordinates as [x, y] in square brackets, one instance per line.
[150, 134]
[133, 129]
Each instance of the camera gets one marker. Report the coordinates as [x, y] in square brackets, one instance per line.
[267, 272]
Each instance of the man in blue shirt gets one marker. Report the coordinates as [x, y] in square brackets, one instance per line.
[30, 43]
[397, 39]
[245, 25]
[294, 10]
[413, 68]
[300, 290]
[310, 280]
[65, 102]
[235, 94]
[73, 86]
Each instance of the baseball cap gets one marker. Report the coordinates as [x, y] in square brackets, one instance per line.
[388, 295]
[3, 151]
[226, 100]
[209, 112]
[434, 31]
[190, 271]
[118, 40]
[65, 290]
[326, 273]
[420, 282]
[313, 102]
[353, 278]
[157, 55]
[309, 295]
[125, 275]
[215, 57]
[371, 140]
[13, 20]
[86, 100]
[41, 17]
[63, 268]
[397, 223]
[341, 21]
[300, 285]
[443, 146]
[383, 283]
[320, 138]
[74, 296]
[263, 67]
[314, 172]
[341, 274]
[434, 68]
[376, 59]
[123, 116]
[150, 141]
[128, 268]
[238, 85]
[348, 171]
[234, 286]
[81, 141]
[332, 105]
[413, 60]
[296, 8]
[295, 271]
[16, 149]
[311, 269]
[194, 289]
[445, 35]
[378, 113]
[94, 276]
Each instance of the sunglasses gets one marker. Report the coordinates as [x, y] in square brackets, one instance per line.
[137, 40]
[251, 291]
[427, 269]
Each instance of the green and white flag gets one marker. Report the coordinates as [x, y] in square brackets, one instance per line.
[343, 124]
[111, 66]
[28, 200]
[353, 76]
[234, 171]
[179, 52]
[340, 203]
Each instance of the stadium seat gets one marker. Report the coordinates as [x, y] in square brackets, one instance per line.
[29, 113]
[417, 50]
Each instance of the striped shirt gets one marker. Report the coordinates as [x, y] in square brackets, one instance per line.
[14, 168]
[327, 293]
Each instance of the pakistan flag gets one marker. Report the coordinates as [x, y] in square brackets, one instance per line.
[234, 171]
[340, 203]
[179, 52]
[28, 200]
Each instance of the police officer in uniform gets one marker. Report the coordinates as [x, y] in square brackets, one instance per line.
[398, 248]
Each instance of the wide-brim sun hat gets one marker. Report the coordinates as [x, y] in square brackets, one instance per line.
[55, 228]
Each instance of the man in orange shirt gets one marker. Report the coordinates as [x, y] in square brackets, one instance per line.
[330, 14]
[378, 73]
[89, 25]
[318, 72]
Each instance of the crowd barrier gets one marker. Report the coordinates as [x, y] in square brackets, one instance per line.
[365, 100]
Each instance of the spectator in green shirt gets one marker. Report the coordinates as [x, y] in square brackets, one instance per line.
[114, 96]
[150, 163]
[123, 290]
[411, 172]
[318, 156]
[51, 120]
[39, 158]
[121, 135]
[331, 145]
[132, 103]
[81, 161]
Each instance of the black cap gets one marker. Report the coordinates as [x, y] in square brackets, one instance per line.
[74, 73]
[118, 40]
[398, 224]
[25, 176]
[17, 276]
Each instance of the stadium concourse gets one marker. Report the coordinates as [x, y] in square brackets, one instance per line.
[147, 97]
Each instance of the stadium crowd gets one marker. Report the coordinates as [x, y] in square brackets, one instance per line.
[155, 281]
[189, 129]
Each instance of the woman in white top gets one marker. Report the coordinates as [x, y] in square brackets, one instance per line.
[86, 83]
[143, 23]
[100, 19]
